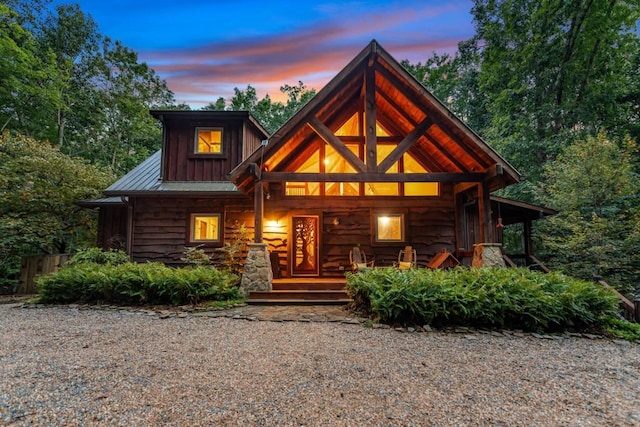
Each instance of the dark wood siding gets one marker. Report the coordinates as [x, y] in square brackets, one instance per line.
[180, 162]
[252, 141]
[160, 225]
[112, 227]
[347, 222]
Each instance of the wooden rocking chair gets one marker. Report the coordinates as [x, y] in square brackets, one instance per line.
[407, 258]
[358, 260]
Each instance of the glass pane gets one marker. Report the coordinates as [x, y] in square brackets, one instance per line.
[350, 128]
[342, 189]
[389, 228]
[382, 152]
[381, 189]
[334, 162]
[302, 189]
[206, 228]
[421, 189]
[411, 165]
[209, 141]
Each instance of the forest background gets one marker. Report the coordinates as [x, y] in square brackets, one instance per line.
[553, 86]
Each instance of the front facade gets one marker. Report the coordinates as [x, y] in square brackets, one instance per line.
[372, 161]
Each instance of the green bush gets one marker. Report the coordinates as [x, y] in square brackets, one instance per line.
[131, 283]
[487, 297]
[98, 256]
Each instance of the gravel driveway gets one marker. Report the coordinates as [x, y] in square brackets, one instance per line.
[65, 366]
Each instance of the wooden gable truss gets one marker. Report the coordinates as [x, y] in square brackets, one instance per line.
[379, 93]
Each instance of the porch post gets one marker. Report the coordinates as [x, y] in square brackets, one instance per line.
[258, 207]
[484, 213]
[257, 274]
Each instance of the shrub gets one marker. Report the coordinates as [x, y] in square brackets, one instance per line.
[131, 283]
[487, 297]
[98, 256]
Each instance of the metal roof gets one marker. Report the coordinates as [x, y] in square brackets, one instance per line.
[145, 179]
[104, 201]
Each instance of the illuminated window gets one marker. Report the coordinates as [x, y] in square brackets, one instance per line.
[389, 227]
[208, 141]
[205, 228]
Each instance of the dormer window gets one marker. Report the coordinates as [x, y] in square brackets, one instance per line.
[208, 141]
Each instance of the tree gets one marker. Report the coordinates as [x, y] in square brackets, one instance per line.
[270, 114]
[454, 80]
[38, 188]
[553, 72]
[98, 92]
[27, 88]
[592, 184]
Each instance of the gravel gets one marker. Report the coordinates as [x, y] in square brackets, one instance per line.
[62, 366]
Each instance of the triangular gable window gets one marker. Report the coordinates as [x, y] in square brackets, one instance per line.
[352, 128]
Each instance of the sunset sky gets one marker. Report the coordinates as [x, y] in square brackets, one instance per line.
[203, 49]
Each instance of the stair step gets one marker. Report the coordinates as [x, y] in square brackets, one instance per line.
[298, 294]
[312, 286]
[340, 301]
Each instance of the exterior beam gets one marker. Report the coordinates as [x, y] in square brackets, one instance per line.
[372, 177]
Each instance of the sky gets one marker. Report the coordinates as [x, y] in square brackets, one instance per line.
[204, 49]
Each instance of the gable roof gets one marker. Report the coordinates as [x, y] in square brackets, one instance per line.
[375, 84]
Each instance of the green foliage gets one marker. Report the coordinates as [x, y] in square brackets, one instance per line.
[592, 184]
[271, 114]
[487, 297]
[620, 328]
[65, 82]
[132, 283]
[552, 70]
[98, 256]
[233, 252]
[195, 255]
[38, 189]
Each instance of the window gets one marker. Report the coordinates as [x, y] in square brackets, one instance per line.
[208, 141]
[205, 228]
[389, 227]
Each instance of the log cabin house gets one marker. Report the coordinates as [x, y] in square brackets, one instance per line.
[374, 160]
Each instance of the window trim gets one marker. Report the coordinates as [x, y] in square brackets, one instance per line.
[195, 153]
[209, 242]
[375, 216]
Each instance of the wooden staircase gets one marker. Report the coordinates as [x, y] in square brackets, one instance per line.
[303, 291]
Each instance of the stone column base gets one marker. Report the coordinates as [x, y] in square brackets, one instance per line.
[487, 255]
[257, 275]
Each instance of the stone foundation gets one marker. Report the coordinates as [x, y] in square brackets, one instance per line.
[257, 275]
[487, 255]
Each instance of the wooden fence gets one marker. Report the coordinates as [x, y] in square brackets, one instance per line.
[34, 266]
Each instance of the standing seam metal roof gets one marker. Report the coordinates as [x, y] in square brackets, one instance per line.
[145, 178]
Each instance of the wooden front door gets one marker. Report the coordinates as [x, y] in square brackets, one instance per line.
[305, 257]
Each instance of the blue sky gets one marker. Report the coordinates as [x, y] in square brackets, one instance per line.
[203, 49]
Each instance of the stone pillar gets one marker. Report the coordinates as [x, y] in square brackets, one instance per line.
[257, 275]
[487, 255]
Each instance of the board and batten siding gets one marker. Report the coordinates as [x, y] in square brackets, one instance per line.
[180, 162]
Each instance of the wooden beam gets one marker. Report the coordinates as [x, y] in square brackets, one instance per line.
[463, 186]
[429, 138]
[484, 213]
[444, 177]
[258, 208]
[419, 102]
[371, 151]
[325, 133]
[404, 145]
[494, 171]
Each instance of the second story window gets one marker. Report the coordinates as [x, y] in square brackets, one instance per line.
[208, 141]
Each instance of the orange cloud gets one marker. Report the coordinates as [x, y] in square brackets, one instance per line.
[313, 54]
